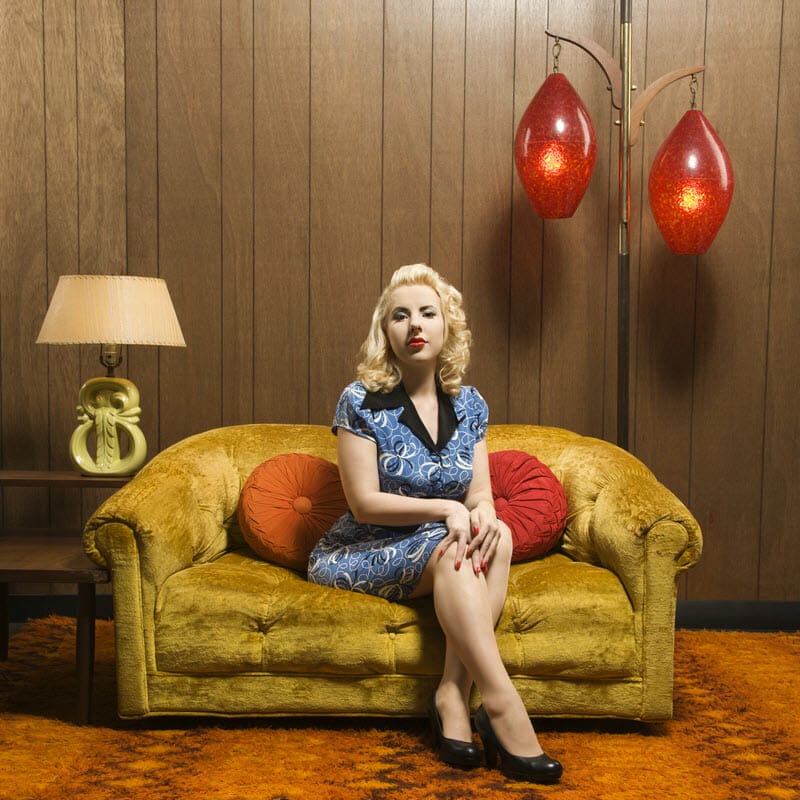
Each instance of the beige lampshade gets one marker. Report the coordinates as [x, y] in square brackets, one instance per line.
[111, 309]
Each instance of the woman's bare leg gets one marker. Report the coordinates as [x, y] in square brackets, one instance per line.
[468, 607]
[465, 612]
[455, 688]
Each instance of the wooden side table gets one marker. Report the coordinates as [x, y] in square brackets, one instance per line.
[55, 557]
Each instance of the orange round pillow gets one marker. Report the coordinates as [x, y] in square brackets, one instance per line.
[530, 500]
[287, 504]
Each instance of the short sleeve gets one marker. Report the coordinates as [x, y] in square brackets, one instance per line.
[349, 415]
[477, 412]
[482, 414]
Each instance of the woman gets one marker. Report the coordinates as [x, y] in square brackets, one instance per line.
[415, 470]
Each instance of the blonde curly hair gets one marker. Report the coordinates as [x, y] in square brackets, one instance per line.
[378, 369]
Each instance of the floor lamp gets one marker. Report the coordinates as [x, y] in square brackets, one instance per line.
[690, 186]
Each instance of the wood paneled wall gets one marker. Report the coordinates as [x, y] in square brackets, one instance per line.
[275, 160]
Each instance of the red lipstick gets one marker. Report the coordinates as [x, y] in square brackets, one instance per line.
[416, 342]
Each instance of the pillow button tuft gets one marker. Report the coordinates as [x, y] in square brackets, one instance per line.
[302, 505]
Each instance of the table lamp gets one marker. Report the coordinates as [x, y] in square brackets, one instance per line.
[110, 310]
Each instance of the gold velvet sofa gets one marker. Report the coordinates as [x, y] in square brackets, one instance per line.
[205, 627]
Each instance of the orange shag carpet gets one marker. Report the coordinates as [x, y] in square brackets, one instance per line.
[735, 734]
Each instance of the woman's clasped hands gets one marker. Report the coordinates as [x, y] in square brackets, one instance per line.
[475, 535]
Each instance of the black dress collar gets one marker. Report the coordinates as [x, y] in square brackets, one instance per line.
[398, 398]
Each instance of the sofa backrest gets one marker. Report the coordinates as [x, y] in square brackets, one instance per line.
[182, 507]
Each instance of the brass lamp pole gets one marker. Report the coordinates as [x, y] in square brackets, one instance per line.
[623, 251]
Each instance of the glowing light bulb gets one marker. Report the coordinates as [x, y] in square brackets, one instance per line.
[691, 199]
[552, 161]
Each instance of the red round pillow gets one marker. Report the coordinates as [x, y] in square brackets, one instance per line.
[287, 504]
[530, 500]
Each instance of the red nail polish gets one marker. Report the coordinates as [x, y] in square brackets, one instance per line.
[458, 565]
[475, 529]
[485, 566]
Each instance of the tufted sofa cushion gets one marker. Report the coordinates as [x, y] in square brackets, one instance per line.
[237, 614]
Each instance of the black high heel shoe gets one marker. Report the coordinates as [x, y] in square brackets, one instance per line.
[454, 752]
[536, 769]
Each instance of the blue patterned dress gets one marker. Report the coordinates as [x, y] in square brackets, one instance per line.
[388, 561]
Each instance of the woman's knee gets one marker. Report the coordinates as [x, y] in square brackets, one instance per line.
[439, 562]
[505, 542]
[460, 574]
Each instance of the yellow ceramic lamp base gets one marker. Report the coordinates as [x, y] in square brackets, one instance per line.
[108, 405]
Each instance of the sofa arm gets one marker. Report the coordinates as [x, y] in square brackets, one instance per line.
[176, 509]
[615, 503]
[133, 629]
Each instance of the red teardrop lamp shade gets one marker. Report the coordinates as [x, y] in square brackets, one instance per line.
[691, 185]
[555, 149]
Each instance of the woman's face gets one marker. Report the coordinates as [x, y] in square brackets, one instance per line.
[415, 325]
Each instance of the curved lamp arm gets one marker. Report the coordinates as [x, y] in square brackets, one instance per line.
[606, 61]
[644, 100]
[614, 75]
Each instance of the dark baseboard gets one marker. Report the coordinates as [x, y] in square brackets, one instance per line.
[756, 615]
[691, 614]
